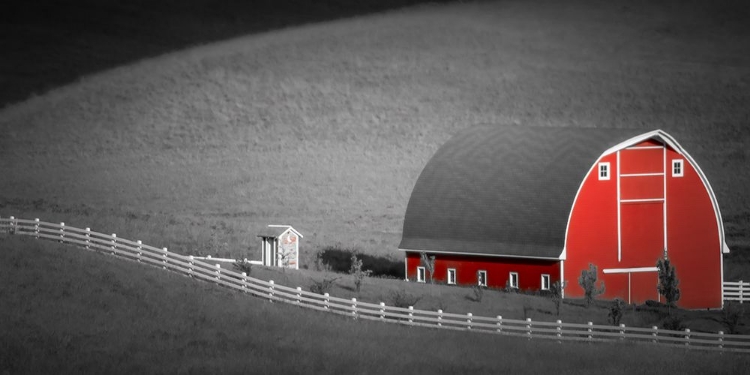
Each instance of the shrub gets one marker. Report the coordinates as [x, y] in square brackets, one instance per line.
[242, 265]
[401, 298]
[673, 323]
[357, 271]
[337, 259]
[587, 281]
[556, 293]
[731, 315]
[478, 292]
[616, 310]
[324, 286]
[668, 283]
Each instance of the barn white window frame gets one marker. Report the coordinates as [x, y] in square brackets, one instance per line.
[482, 277]
[604, 171]
[678, 167]
[545, 282]
[513, 280]
[451, 276]
[421, 274]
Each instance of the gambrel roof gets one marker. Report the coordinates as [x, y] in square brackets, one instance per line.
[507, 190]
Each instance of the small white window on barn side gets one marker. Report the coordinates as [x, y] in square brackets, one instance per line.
[482, 278]
[604, 171]
[513, 280]
[451, 276]
[678, 168]
[545, 282]
[420, 274]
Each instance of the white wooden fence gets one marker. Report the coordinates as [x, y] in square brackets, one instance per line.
[192, 267]
[736, 291]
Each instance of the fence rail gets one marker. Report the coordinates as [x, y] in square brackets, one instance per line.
[200, 269]
[737, 291]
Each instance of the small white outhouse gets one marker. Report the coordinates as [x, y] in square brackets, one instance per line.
[280, 246]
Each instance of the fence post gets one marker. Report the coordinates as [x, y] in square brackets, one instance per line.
[270, 291]
[591, 329]
[469, 317]
[411, 314]
[440, 318]
[528, 327]
[354, 308]
[559, 331]
[138, 252]
[114, 243]
[687, 336]
[164, 260]
[36, 228]
[12, 225]
[190, 265]
[499, 323]
[299, 294]
[218, 272]
[382, 310]
[88, 238]
[327, 300]
[62, 232]
[721, 340]
[654, 334]
[244, 282]
[622, 331]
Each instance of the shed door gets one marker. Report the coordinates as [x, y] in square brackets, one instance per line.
[641, 187]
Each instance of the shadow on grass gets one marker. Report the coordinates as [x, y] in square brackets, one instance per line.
[52, 43]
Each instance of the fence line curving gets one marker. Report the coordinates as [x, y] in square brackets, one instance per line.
[199, 268]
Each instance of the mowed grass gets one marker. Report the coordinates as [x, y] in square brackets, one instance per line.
[67, 310]
[326, 127]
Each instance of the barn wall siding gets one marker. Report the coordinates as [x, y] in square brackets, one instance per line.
[498, 269]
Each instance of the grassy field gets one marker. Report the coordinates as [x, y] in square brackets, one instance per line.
[327, 126]
[66, 310]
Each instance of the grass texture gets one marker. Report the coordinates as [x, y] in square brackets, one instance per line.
[67, 310]
[327, 126]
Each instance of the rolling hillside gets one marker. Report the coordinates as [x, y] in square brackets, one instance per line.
[327, 126]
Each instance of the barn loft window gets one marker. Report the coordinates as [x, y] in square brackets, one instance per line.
[513, 280]
[604, 171]
[420, 274]
[545, 282]
[452, 276]
[677, 168]
[482, 278]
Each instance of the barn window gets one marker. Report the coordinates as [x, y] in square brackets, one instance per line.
[604, 171]
[451, 276]
[513, 280]
[677, 168]
[482, 278]
[545, 282]
[420, 274]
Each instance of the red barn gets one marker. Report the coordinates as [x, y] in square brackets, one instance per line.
[523, 207]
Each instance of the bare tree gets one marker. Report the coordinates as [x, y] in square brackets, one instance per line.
[429, 264]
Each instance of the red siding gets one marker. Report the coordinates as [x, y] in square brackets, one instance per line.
[529, 271]
[692, 235]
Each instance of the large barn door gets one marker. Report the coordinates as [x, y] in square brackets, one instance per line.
[641, 186]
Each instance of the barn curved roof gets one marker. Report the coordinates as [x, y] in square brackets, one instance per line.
[503, 190]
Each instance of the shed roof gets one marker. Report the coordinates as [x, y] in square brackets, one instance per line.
[276, 231]
[503, 190]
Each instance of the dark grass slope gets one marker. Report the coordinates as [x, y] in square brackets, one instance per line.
[495, 189]
[48, 43]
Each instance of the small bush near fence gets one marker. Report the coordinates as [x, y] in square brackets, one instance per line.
[340, 260]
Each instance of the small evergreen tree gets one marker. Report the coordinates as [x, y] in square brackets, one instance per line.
[668, 283]
[616, 310]
[357, 271]
[587, 281]
[429, 264]
[556, 292]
